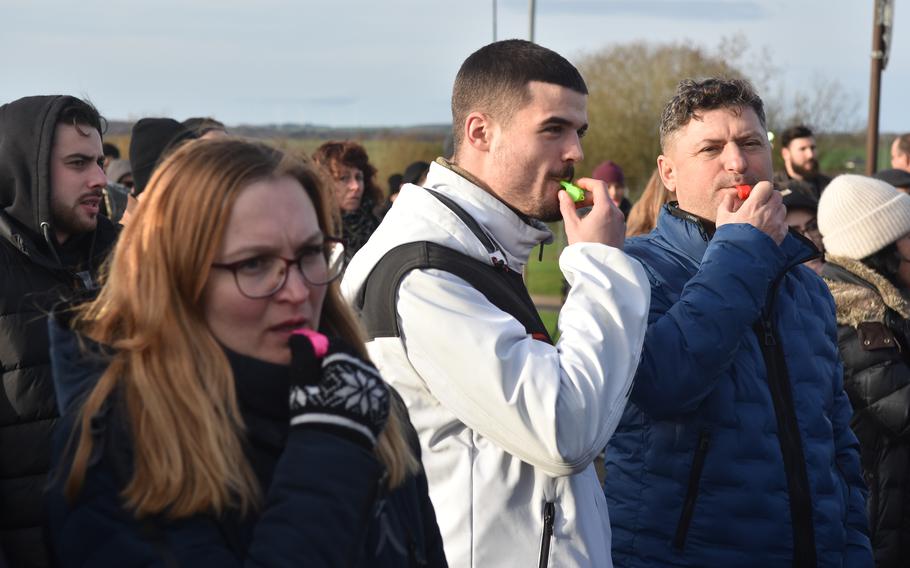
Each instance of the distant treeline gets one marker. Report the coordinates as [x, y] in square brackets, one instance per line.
[426, 132]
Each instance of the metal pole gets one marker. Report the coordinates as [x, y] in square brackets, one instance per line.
[494, 20]
[878, 30]
[531, 10]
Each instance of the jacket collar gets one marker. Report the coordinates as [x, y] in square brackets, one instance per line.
[79, 362]
[261, 387]
[691, 235]
[78, 259]
[515, 234]
[860, 293]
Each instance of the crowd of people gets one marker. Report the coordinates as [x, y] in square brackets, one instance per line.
[218, 353]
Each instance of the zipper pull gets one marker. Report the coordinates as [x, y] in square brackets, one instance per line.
[549, 515]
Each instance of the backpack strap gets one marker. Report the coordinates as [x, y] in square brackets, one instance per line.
[497, 257]
[502, 287]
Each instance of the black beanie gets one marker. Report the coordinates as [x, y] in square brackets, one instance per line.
[152, 139]
[799, 195]
[414, 172]
[898, 178]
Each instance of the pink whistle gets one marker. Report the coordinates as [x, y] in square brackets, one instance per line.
[320, 342]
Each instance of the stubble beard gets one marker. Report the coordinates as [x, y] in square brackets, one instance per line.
[548, 209]
[809, 170]
[71, 221]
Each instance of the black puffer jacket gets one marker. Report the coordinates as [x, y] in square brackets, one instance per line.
[874, 336]
[34, 273]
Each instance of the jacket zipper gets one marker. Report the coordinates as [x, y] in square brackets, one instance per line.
[549, 515]
[790, 444]
[688, 509]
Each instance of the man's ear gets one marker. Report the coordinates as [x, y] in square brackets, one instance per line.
[667, 170]
[785, 153]
[478, 131]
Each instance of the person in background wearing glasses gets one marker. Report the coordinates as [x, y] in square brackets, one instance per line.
[201, 427]
[865, 224]
[802, 207]
[357, 196]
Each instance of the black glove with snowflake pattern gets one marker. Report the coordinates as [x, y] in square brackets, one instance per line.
[334, 389]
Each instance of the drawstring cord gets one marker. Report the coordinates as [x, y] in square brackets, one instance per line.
[46, 230]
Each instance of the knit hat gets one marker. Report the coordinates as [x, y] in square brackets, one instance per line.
[799, 195]
[609, 172]
[151, 139]
[859, 215]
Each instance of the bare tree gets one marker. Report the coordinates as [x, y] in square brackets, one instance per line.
[630, 84]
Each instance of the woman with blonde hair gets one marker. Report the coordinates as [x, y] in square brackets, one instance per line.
[205, 422]
[643, 216]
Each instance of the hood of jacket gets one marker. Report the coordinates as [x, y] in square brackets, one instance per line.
[860, 293]
[27, 129]
[26, 140]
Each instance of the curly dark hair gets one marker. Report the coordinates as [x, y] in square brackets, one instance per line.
[692, 97]
[79, 112]
[352, 155]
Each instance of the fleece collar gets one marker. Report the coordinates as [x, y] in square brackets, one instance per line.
[861, 295]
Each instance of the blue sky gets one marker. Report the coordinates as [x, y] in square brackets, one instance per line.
[392, 62]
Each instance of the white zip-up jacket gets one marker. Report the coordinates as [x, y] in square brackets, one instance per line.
[508, 423]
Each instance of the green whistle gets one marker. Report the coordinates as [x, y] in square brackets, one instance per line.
[576, 193]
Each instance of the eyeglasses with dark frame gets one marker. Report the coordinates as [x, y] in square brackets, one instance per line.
[265, 275]
[809, 230]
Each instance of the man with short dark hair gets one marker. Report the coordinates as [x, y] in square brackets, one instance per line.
[509, 423]
[900, 153]
[735, 448]
[52, 241]
[798, 149]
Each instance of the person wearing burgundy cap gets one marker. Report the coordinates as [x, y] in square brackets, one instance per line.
[610, 173]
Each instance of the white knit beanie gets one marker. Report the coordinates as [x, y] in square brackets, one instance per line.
[859, 215]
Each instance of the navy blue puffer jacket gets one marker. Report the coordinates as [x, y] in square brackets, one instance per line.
[735, 448]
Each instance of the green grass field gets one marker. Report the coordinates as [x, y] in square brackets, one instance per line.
[543, 277]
